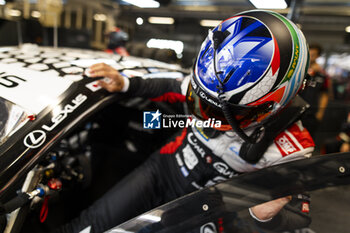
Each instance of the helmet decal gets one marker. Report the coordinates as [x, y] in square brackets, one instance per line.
[281, 36]
[260, 90]
[261, 60]
[243, 57]
[296, 71]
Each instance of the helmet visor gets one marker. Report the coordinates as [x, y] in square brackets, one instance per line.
[244, 114]
[201, 109]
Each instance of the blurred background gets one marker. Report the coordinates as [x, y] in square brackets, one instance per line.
[183, 23]
[172, 31]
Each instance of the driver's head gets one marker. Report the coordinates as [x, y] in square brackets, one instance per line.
[117, 38]
[261, 62]
[315, 51]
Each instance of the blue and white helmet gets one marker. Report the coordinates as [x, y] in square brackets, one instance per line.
[260, 64]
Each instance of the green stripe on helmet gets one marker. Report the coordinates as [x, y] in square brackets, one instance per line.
[296, 48]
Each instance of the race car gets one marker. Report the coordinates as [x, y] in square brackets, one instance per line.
[48, 106]
[53, 119]
[223, 208]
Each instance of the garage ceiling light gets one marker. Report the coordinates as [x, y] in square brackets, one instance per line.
[176, 45]
[347, 29]
[143, 3]
[100, 17]
[161, 20]
[14, 13]
[2, 2]
[209, 23]
[36, 14]
[270, 4]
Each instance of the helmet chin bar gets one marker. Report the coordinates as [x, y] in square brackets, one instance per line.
[258, 133]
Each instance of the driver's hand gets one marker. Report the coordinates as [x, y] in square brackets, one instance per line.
[268, 210]
[116, 82]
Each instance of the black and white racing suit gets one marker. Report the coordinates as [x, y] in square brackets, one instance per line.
[190, 161]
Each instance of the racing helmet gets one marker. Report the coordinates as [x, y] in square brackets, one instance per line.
[117, 38]
[249, 68]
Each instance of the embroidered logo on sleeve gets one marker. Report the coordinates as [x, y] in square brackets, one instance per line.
[286, 145]
[305, 207]
[190, 157]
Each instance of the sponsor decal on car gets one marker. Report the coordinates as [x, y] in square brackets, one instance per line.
[10, 81]
[57, 119]
[37, 137]
[31, 90]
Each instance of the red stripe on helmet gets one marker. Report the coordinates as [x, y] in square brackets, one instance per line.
[275, 96]
[275, 65]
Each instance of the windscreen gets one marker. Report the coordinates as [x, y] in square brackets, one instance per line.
[12, 117]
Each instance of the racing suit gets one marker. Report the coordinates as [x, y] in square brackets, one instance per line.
[190, 161]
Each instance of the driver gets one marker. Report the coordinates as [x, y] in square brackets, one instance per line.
[247, 75]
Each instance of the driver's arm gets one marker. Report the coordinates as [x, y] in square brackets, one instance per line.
[169, 89]
[283, 214]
